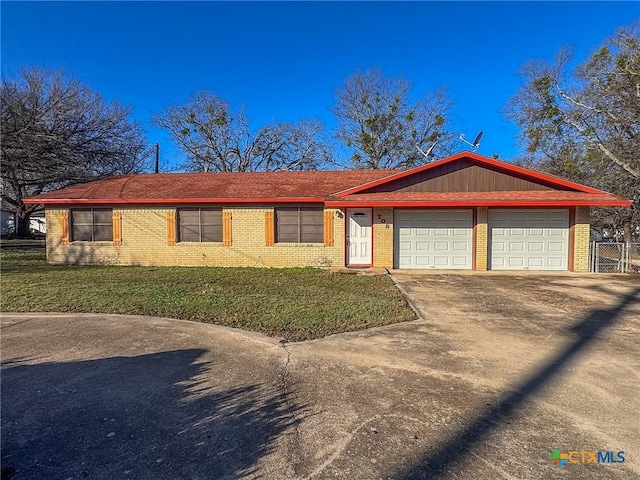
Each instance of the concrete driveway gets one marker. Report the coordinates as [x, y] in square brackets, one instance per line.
[501, 370]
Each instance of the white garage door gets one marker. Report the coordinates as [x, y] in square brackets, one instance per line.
[434, 239]
[529, 239]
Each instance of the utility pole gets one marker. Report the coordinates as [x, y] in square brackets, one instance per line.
[157, 157]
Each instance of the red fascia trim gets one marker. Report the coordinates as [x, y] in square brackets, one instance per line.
[564, 203]
[164, 201]
[479, 158]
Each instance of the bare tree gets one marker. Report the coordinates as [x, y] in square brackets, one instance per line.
[585, 123]
[216, 139]
[57, 132]
[381, 125]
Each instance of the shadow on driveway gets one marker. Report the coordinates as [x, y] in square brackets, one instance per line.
[445, 456]
[150, 416]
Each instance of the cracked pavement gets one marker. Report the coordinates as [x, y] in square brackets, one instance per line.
[501, 370]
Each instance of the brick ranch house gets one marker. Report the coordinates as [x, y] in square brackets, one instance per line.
[466, 211]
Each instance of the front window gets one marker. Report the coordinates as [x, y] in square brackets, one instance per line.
[92, 225]
[200, 225]
[299, 225]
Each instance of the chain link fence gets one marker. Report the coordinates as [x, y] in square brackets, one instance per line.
[610, 257]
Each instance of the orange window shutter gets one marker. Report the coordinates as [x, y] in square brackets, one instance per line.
[171, 228]
[226, 229]
[269, 235]
[64, 223]
[328, 228]
[117, 228]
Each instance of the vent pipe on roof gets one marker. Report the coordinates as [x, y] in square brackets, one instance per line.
[157, 158]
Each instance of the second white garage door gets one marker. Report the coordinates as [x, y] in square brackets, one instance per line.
[433, 239]
[529, 239]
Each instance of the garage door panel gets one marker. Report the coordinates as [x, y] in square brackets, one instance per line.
[446, 234]
[516, 262]
[539, 217]
[460, 246]
[516, 247]
[423, 260]
[536, 247]
[441, 246]
[441, 261]
[555, 263]
[405, 245]
[405, 262]
[535, 239]
[458, 215]
[557, 216]
[556, 247]
[423, 246]
[461, 262]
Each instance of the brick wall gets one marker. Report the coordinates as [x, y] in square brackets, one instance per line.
[581, 231]
[482, 238]
[144, 242]
[383, 237]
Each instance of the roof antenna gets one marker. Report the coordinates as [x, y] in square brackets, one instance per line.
[476, 142]
[429, 153]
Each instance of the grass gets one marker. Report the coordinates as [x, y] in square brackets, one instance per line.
[293, 303]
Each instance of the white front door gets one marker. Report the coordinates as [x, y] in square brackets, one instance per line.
[433, 238]
[359, 236]
[529, 239]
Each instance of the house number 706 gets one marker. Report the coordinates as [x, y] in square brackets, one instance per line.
[382, 220]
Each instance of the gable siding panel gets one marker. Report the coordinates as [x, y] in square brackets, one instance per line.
[463, 176]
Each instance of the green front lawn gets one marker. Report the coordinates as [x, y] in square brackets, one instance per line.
[294, 303]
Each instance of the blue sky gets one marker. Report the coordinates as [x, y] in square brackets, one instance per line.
[283, 61]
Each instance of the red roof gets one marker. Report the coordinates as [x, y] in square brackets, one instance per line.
[309, 186]
[333, 188]
[533, 198]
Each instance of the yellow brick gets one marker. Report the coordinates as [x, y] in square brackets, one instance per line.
[144, 242]
[581, 232]
[482, 238]
[383, 237]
